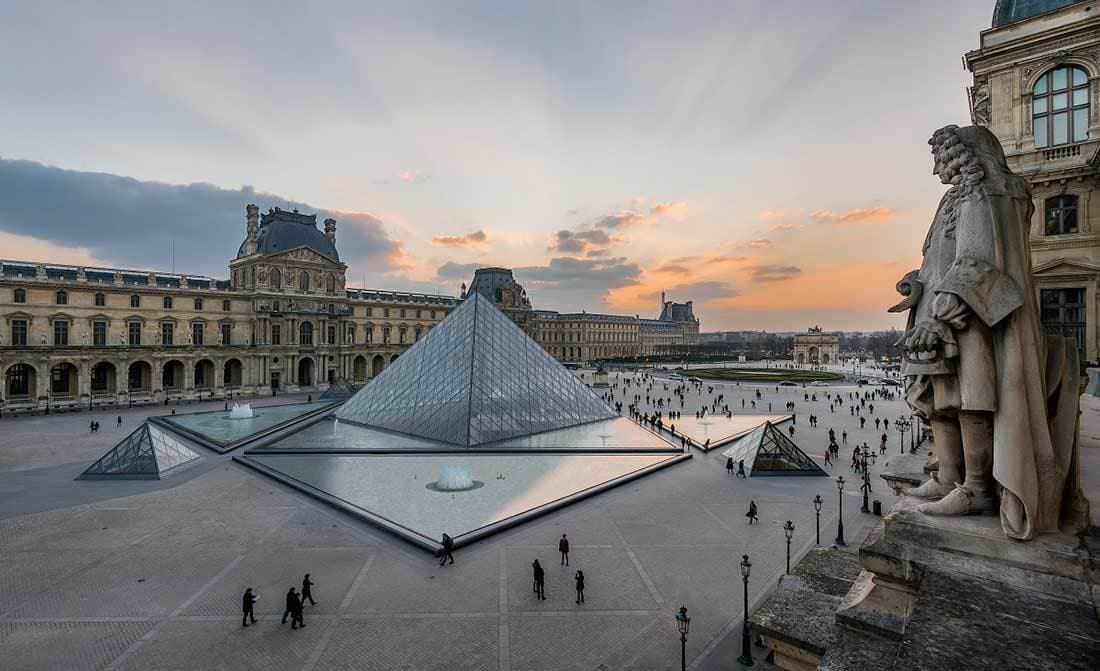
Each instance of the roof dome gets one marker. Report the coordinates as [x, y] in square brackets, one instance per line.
[1007, 12]
[281, 230]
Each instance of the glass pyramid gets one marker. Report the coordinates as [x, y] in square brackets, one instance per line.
[475, 378]
[338, 391]
[147, 453]
[767, 451]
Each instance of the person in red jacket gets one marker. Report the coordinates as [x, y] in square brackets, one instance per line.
[563, 548]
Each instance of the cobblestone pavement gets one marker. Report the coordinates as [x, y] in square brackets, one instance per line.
[150, 575]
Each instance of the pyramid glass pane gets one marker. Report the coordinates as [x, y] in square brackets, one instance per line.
[475, 378]
[766, 450]
[148, 452]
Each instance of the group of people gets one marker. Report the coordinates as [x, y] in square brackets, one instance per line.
[93, 427]
[295, 604]
[538, 586]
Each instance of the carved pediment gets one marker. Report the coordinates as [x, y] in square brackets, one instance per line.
[1064, 266]
[304, 254]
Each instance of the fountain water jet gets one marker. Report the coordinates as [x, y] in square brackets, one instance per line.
[241, 411]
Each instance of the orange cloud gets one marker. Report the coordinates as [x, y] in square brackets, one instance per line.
[25, 248]
[477, 238]
[859, 215]
[398, 258]
[836, 287]
[676, 210]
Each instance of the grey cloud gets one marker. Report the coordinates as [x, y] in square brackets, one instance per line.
[774, 273]
[457, 271]
[576, 242]
[132, 223]
[569, 283]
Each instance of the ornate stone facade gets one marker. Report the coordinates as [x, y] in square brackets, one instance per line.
[1037, 88]
[80, 337]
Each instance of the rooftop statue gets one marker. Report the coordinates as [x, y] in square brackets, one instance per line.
[1001, 396]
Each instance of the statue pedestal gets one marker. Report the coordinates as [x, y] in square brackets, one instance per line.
[898, 556]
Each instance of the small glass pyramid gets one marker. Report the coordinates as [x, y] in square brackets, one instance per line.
[338, 391]
[766, 451]
[475, 378]
[147, 453]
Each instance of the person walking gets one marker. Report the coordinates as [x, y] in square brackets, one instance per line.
[248, 602]
[291, 601]
[540, 580]
[741, 468]
[580, 586]
[729, 466]
[296, 613]
[828, 456]
[563, 548]
[307, 593]
[752, 513]
[118, 422]
[448, 546]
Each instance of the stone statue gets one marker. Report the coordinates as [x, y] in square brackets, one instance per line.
[121, 339]
[84, 339]
[1001, 397]
[42, 338]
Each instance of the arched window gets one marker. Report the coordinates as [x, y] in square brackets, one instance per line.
[303, 282]
[62, 298]
[167, 302]
[20, 295]
[276, 279]
[1060, 215]
[305, 331]
[1060, 107]
[100, 299]
[135, 301]
[331, 284]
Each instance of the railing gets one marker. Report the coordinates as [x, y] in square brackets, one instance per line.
[1059, 153]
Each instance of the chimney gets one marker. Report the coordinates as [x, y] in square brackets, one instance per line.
[330, 231]
[252, 227]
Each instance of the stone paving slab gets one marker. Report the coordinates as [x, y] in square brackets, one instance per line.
[398, 644]
[224, 644]
[399, 583]
[611, 580]
[580, 642]
[24, 574]
[72, 646]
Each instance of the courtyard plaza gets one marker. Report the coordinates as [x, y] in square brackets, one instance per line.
[149, 575]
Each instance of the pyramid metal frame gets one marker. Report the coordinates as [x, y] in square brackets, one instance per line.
[148, 453]
[475, 378]
[781, 456]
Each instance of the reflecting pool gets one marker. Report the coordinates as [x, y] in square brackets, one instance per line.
[219, 428]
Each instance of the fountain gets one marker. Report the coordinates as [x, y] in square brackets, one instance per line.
[241, 411]
[454, 479]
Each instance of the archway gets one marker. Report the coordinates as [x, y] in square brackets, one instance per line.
[171, 377]
[63, 380]
[825, 358]
[104, 378]
[800, 357]
[20, 382]
[394, 358]
[376, 365]
[233, 373]
[139, 377]
[814, 355]
[305, 372]
[204, 374]
[359, 368]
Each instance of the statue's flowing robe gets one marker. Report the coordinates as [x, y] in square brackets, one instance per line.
[1002, 365]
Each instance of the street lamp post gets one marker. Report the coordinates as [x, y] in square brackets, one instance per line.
[866, 487]
[746, 653]
[683, 623]
[902, 425]
[817, 512]
[840, 517]
[788, 530]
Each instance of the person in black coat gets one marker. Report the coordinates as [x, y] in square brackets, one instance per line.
[248, 602]
[296, 611]
[306, 592]
[580, 586]
[448, 546]
[741, 468]
[752, 513]
[729, 466]
[540, 580]
[291, 604]
[563, 548]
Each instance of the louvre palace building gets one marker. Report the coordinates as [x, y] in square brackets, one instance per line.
[81, 337]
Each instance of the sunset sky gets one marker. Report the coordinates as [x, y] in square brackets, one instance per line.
[766, 159]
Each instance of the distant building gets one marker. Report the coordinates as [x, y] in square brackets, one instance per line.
[1036, 87]
[816, 347]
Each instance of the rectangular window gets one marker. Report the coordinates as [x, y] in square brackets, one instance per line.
[196, 333]
[1063, 313]
[198, 303]
[1081, 124]
[100, 300]
[1060, 215]
[225, 306]
[227, 334]
[385, 335]
[332, 334]
[370, 311]
[99, 334]
[276, 334]
[19, 332]
[418, 311]
[433, 314]
[61, 333]
[402, 313]
[1060, 128]
[1041, 132]
[167, 333]
[135, 333]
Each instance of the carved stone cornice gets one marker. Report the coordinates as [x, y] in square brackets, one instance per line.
[1041, 45]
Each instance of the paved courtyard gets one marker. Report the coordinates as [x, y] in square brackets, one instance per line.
[149, 575]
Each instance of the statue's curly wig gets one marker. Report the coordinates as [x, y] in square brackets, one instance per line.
[962, 168]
